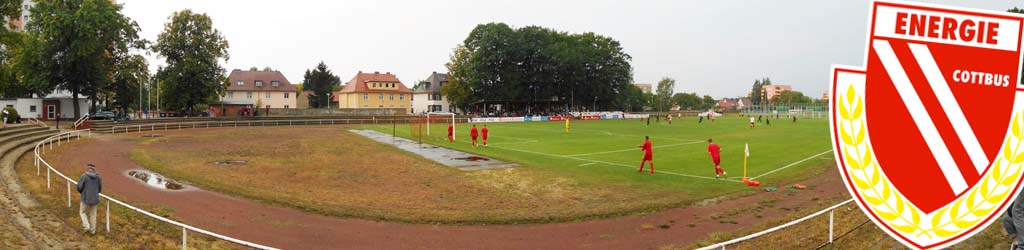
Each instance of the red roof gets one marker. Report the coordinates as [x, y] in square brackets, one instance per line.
[249, 79]
[359, 82]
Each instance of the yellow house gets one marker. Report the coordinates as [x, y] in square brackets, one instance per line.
[375, 90]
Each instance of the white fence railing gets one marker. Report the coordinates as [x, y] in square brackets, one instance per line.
[247, 123]
[722, 245]
[77, 134]
[80, 121]
[36, 122]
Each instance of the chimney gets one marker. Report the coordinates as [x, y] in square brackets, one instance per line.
[376, 72]
[360, 72]
[388, 73]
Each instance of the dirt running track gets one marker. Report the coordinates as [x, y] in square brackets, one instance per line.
[293, 229]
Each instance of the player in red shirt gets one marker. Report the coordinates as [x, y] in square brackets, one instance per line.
[472, 134]
[483, 132]
[648, 155]
[450, 130]
[716, 156]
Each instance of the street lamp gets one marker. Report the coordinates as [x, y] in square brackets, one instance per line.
[328, 100]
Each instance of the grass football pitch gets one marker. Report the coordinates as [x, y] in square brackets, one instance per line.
[606, 151]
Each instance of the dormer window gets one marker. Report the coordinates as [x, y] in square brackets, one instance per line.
[241, 83]
[259, 83]
[275, 83]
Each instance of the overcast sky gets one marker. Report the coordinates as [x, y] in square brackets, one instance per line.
[710, 47]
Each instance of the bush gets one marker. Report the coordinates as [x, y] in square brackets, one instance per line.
[12, 115]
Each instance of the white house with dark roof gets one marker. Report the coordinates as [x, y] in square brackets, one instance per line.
[426, 95]
[269, 89]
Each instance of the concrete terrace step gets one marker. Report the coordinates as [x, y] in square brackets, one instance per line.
[18, 129]
[26, 134]
[43, 229]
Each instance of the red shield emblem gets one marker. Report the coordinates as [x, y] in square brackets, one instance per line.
[930, 126]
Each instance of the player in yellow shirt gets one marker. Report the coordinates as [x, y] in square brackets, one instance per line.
[567, 124]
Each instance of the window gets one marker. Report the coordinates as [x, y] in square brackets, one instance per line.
[380, 106]
[366, 96]
[268, 95]
[401, 96]
[241, 83]
[382, 96]
[275, 83]
[286, 95]
[392, 97]
[248, 95]
[437, 97]
[285, 106]
[375, 85]
[259, 83]
[365, 106]
[32, 108]
[231, 95]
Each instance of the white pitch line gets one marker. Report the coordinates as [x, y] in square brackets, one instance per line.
[635, 149]
[791, 164]
[587, 164]
[600, 132]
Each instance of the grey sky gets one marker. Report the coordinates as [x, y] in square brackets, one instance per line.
[710, 47]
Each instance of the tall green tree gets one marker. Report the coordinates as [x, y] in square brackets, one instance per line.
[322, 82]
[664, 92]
[130, 76]
[499, 62]
[73, 45]
[10, 45]
[193, 50]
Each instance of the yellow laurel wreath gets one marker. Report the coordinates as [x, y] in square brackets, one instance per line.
[965, 212]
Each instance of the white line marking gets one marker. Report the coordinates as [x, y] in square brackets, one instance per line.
[635, 149]
[920, 116]
[587, 164]
[791, 164]
[949, 103]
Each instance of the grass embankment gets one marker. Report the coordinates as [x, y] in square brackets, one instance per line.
[129, 229]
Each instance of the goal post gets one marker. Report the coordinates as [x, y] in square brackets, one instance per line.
[449, 115]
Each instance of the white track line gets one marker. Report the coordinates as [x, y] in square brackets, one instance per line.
[636, 149]
[791, 164]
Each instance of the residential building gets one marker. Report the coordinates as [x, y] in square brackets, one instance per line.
[375, 90]
[261, 88]
[773, 90]
[645, 87]
[426, 96]
[18, 24]
[49, 106]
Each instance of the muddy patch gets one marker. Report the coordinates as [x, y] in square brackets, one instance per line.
[472, 158]
[155, 180]
[228, 163]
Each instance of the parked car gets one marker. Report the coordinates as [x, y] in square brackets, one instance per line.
[102, 115]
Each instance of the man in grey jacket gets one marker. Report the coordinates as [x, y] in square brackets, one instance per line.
[1014, 222]
[89, 186]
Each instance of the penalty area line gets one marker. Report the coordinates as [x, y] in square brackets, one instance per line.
[791, 164]
[610, 163]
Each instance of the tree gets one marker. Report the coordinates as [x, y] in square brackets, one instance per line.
[321, 81]
[687, 101]
[193, 50]
[11, 43]
[58, 54]
[790, 98]
[129, 77]
[499, 62]
[708, 102]
[757, 95]
[664, 93]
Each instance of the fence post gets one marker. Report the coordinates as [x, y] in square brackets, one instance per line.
[108, 215]
[184, 238]
[69, 192]
[58, 141]
[47, 178]
[51, 143]
[830, 212]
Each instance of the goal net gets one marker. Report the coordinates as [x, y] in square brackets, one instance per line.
[442, 118]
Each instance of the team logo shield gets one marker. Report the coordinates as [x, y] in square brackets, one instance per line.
[929, 134]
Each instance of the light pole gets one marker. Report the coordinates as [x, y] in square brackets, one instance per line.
[328, 100]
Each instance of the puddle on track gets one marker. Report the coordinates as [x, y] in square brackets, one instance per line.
[156, 180]
[230, 163]
[472, 158]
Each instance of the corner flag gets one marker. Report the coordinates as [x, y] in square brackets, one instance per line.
[746, 150]
[746, 153]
